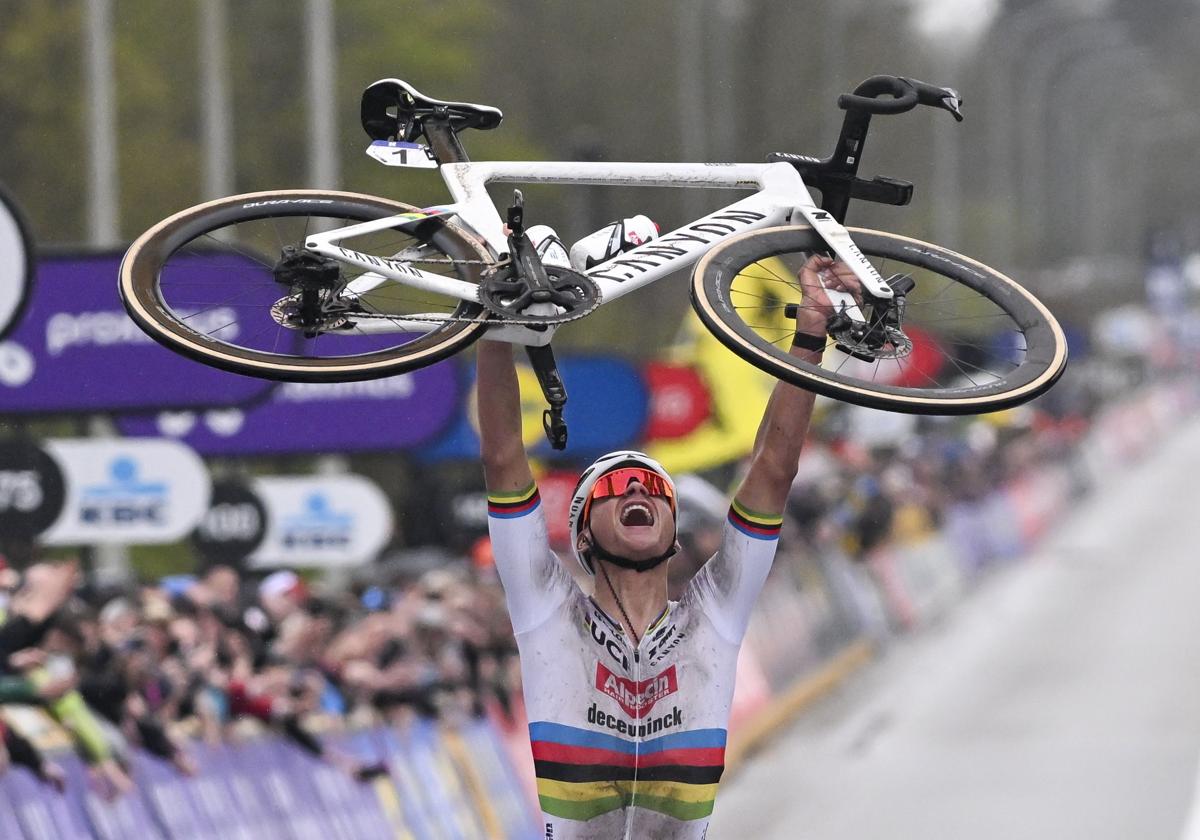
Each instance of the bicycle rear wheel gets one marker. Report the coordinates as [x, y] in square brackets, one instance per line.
[202, 283]
[974, 340]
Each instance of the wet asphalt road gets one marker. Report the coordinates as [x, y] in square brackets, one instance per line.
[1061, 700]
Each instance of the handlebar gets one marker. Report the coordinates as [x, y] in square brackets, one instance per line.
[837, 176]
[906, 94]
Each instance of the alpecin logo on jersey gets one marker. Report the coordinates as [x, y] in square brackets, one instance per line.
[636, 698]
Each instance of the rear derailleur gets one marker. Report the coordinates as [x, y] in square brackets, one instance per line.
[313, 305]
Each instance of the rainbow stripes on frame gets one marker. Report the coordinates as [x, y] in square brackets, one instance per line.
[582, 774]
[514, 505]
[760, 526]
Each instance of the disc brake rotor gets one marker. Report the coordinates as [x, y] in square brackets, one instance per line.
[287, 313]
[896, 344]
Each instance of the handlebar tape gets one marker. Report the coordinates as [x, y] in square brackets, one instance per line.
[907, 93]
[864, 96]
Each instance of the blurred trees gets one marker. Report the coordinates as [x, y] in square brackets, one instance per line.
[41, 118]
[666, 80]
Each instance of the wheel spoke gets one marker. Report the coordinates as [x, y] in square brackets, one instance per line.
[232, 245]
[964, 326]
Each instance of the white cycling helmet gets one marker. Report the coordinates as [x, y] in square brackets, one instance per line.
[583, 490]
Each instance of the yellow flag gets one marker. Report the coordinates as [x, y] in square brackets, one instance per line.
[739, 391]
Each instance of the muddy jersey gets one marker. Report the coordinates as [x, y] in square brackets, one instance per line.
[628, 740]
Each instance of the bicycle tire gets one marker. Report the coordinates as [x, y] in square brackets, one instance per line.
[723, 275]
[142, 269]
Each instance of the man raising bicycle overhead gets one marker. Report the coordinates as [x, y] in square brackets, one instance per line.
[628, 693]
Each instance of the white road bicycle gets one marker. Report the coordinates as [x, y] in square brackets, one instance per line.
[315, 286]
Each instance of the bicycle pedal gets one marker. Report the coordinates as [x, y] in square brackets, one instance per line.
[516, 215]
[555, 428]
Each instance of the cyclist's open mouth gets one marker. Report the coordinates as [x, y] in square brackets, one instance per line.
[637, 513]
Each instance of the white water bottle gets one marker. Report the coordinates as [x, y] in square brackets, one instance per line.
[612, 239]
[549, 247]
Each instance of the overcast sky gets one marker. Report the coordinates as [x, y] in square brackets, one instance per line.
[959, 18]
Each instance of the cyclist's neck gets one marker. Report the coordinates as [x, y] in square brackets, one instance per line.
[635, 598]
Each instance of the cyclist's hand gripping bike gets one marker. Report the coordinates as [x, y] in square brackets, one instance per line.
[314, 286]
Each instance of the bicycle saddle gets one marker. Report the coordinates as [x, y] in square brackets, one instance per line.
[394, 108]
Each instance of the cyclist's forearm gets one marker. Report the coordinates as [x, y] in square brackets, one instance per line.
[778, 444]
[499, 401]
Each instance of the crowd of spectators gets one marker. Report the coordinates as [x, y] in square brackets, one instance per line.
[214, 655]
[202, 656]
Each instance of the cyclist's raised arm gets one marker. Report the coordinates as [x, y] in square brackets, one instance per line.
[730, 582]
[502, 450]
[535, 583]
[784, 425]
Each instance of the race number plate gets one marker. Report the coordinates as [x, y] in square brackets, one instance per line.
[400, 153]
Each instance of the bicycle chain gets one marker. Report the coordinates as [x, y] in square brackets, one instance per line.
[489, 318]
[486, 319]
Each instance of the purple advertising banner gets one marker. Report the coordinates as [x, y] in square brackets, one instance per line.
[503, 791]
[76, 350]
[43, 814]
[9, 827]
[379, 414]
[173, 798]
[269, 789]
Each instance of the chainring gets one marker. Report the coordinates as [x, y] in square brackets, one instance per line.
[507, 296]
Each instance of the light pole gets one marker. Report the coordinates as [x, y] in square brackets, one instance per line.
[324, 171]
[216, 118]
[1101, 92]
[947, 155]
[1010, 35]
[1084, 36]
[693, 111]
[104, 195]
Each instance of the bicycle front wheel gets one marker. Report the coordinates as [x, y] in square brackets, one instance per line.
[205, 283]
[973, 340]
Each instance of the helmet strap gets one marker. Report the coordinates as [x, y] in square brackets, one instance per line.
[598, 551]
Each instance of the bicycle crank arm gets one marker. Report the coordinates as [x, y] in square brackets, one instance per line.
[555, 392]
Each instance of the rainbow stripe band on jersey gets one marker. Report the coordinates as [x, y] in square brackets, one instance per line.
[760, 526]
[514, 505]
[582, 774]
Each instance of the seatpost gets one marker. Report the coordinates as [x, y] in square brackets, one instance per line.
[442, 138]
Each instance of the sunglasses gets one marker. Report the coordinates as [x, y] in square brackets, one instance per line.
[616, 482]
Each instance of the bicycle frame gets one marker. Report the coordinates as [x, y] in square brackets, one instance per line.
[780, 197]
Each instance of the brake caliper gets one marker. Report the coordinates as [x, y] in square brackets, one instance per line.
[881, 335]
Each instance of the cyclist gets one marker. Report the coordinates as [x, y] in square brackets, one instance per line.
[627, 693]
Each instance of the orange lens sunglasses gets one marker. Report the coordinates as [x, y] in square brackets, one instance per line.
[615, 483]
